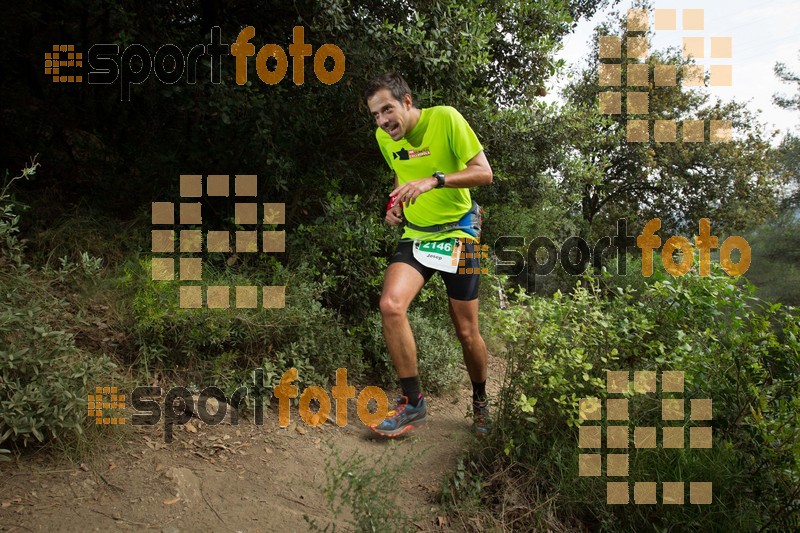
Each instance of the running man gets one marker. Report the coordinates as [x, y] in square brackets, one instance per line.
[436, 158]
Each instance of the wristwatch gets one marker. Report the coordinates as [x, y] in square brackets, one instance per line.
[439, 175]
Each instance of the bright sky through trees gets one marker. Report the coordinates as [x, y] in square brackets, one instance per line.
[762, 34]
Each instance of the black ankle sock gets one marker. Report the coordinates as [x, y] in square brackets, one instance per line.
[411, 390]
[479, 391]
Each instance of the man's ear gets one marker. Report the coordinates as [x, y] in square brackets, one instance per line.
[408, 103]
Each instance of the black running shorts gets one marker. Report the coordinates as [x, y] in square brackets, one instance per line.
[459, 286]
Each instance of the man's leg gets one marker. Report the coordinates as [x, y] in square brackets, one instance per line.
[465, 320]
[400, 286]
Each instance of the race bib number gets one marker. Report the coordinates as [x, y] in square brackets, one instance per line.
[441, 255]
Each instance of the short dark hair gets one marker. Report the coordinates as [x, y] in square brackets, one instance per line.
[392, 81]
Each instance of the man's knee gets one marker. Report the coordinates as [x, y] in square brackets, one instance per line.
[467, 335]
[392, 307]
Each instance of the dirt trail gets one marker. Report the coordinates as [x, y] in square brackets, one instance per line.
[224, 478]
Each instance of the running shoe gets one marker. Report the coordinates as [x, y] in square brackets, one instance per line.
[404, 417]
[481, 421]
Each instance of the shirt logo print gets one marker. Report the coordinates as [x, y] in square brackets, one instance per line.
[405, 155]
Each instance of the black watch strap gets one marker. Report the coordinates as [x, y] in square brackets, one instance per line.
[439, 175]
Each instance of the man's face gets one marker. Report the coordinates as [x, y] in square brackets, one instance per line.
[391, 115]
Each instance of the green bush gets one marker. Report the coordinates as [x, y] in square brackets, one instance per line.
[227, 344]
[11, 247]
[732, 348]
[346, 250]
[333, 279]
[507, 224]
[44, 377]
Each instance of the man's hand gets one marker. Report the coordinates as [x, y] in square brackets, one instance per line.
[394, 216]
[410, 191]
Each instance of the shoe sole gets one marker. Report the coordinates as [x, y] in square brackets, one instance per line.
[397, 432]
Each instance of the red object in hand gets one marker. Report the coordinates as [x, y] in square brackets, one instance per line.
[392, 202]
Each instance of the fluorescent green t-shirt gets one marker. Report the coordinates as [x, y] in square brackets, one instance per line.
[441, 140]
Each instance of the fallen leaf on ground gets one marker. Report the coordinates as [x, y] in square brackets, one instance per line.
[173, 501]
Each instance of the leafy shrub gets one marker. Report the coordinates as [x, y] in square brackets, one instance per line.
[514, 227]
[11, 247]
[333, 280]
[44, 377]
[223, 343]
[345, 249]
[732, 348]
